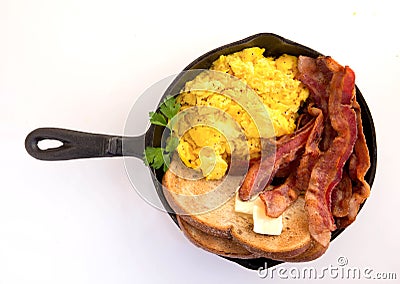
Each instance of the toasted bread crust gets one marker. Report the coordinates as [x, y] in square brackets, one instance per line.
[218, 245]
[313, 252]
[229, 248]
[216, 232]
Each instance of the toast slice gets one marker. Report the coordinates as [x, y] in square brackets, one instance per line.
[224, 222]
[229, 248]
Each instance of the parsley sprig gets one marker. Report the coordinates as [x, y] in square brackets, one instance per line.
[157, 157]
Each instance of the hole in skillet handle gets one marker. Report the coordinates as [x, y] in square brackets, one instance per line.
[274, 46]
[47, 144]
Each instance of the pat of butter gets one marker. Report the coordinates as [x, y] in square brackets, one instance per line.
[245, 207]
[264, 224]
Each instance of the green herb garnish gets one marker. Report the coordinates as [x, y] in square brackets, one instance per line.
[154, 157]
[170, 107]
[158, 119]
[157, 157]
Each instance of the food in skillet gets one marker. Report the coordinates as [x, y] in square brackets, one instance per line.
[316, 183]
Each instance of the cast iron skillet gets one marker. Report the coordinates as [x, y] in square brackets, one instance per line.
[78, 145]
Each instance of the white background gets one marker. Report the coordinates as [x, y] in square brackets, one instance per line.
[82, 64]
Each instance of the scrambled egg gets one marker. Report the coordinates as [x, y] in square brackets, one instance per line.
[273, 80]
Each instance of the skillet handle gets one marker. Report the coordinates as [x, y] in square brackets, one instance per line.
[78, 145]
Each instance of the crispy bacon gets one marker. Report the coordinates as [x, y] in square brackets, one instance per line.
[327, 172]
[249, 186]
[341, 195]
[312, 152]
[287, 150]
[281, 197]
[359, 163]
[286, 169]
[315, 74]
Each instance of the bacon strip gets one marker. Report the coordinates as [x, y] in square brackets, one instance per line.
[280, 198]
[328, 170]
[312, 152]
[285, 170]
[359, 164]
[287, 150]
[341, 196]
[316, 74]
